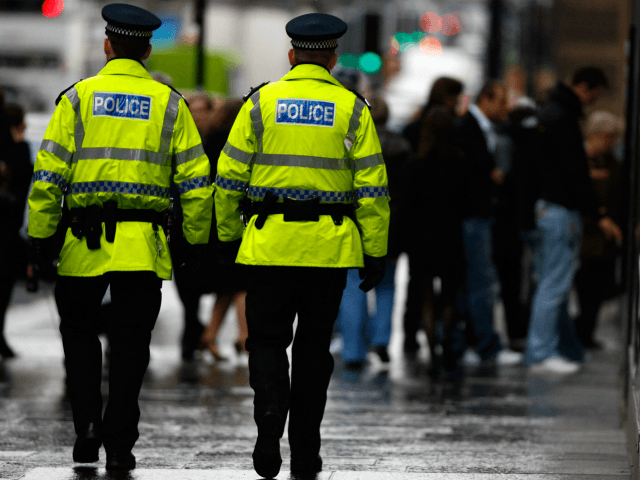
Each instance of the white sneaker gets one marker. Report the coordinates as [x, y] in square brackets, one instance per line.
[508, 358]
[471, 358]
[555, 365]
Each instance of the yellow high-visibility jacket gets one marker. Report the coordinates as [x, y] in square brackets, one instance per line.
[116, 137]
[302, 137]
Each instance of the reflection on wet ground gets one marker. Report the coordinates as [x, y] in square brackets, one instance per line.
[395, 423]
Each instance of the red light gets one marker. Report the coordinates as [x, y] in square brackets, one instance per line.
[431, 22]
[450, 25]
[52, 8]
[431, 47]
[395, 46]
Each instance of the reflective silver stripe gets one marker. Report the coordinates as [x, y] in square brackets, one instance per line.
[112, 153]
[278, 160]
[372, 192]
[368, 162]
[57, 149]
[256, 118]
[300, 194]
[170, 116]
[354, 123]
[50, 177]
[237, 154]
[78, 132]
[228, 184]
[189, 154]
[108, 186]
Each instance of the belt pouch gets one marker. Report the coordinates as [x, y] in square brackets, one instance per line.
[265, 209]
[110, 211]
[93, 227]
[301, 210]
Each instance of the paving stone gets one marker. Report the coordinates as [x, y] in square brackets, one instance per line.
[150, 474]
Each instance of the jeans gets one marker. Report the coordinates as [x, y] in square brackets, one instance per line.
[481, 284]
[552, 332]
[358, 330]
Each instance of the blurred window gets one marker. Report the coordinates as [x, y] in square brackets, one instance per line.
[30, 60]
[21, 5]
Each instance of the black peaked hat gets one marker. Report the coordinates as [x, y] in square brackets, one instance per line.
[130, 20]
[316, 31]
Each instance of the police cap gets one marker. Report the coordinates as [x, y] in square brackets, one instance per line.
[316, 31]
[130, 20]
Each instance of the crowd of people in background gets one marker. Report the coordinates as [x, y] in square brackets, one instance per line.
[505, 198]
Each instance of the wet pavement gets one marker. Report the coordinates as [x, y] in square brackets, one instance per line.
[397, 423]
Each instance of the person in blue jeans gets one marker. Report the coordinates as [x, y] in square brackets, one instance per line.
[566, 194]
[360, 332]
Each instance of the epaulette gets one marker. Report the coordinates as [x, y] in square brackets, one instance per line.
[361, 97]
[252, 91]
[185, 100]
[65, 91]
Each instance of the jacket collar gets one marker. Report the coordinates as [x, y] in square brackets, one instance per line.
[563, 95]
[125, 66]
[310, 70]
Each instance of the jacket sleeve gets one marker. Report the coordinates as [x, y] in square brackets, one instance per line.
[370, 186]
[192, 171]
[52, 171]
[234, 172]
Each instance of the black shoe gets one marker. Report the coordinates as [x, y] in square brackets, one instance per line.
[266, 454]
[591, 344]
[306, 466]
[5, 351]
[381, 351]
[121, 461]
[191, 340]
[357, 365]
[88, 444]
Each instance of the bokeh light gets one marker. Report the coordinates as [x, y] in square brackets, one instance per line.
[395, 46]
[52, 8]
[349, 60]
[370, 63]
[450, 25]
[431, 22]
[431, 47]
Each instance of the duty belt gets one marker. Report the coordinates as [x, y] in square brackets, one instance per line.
[87, 222]
[298, 210]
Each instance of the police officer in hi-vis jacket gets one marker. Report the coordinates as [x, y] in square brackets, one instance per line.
[302, 150]
[110, 149]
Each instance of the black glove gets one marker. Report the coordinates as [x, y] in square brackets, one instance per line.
[227, 252]
[195, 255]
[41, 253]
[372, 273]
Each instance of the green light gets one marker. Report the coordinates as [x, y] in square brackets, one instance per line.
[370, 63]
[348, 60]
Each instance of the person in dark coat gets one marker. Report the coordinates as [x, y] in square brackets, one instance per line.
[445, 92]
[595, 280]
[435, 204]
[16, 171]
[567, 194]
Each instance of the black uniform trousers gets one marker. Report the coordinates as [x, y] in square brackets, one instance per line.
[275, 295]
[136, 299]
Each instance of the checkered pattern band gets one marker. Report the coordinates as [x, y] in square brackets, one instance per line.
[233, 185]
[128, 33]
[50, 177]
[372, 192]
[297, 194]
[315, 45]
[193, 184]
[119, 187]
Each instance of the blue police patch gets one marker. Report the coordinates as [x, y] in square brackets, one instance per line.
[296, 111]
[122, 105]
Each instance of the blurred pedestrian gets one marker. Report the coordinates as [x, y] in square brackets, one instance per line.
[596, 278]
[445, 92]
[16, 171]
[432, 216]
[516, 156]
[109, 149]
[300, 149]
[359, 331]
[567, 193]
[477, 136]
